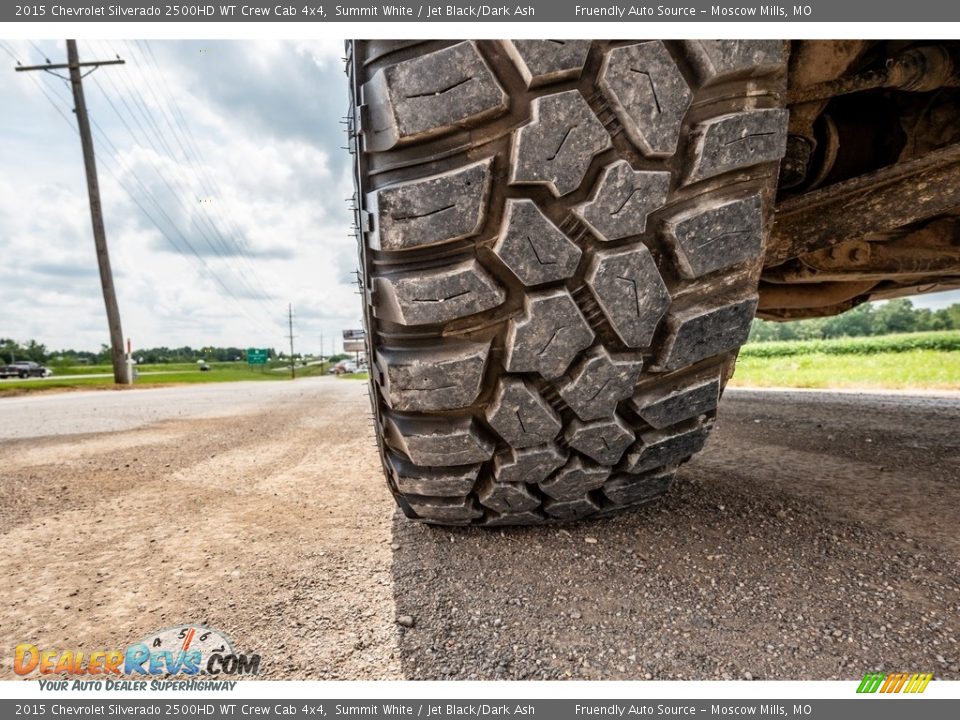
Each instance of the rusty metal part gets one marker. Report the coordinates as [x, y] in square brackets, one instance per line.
[892, 292]
[874, 203]
[812, 62]
[829, 153]
[785, 314]
[916, 70]
[818, 295]
[931, 251]
[796, 163]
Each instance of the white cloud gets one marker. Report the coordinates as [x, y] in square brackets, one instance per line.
[264, 117]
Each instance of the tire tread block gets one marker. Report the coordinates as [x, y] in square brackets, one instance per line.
[629, 289]
[719, 237]
[599, 382]
[437, 209]
[551, 332]
[520, 415]
[636, 489]
[436, 482]
[495, 519]
[507, 497]
[602, 440]
[436, 296]
[697, 333]
[444, 378]
[571, 509]
[529, 465]
[662, 407]
[455, 441]
[430, 95]
[545, 61]
[557, 146]
[575, 479]
[622, 200]
[654, 451]
[534, 249]
[648, 94]
[716, 60]
[738, 140]
[445, 510]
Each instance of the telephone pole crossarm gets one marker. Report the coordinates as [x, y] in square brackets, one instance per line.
[66, 66]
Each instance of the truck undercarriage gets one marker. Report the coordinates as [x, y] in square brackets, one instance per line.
[869, 190]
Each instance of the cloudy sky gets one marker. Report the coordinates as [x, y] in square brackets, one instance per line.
[233, 148]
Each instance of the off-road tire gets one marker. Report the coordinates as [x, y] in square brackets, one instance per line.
[560, 245]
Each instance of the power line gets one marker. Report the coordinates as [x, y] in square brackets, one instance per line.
[146, 192]
[173, 192]
[180, 129]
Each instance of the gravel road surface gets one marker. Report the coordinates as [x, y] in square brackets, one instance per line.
[815, 538]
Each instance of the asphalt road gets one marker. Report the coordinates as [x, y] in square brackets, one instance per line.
[816, 537]
[73, 413]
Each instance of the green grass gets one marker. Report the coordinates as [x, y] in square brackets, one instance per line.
[903, 370]
[166, 374]
[945, 341]
[70, 370]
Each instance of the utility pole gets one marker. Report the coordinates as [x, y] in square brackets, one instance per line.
[293, 369]
[321, 351]
[121, 370]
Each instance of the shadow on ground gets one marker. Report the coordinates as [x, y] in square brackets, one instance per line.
[739, 573]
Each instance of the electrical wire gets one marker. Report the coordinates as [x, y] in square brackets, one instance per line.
[52, 99]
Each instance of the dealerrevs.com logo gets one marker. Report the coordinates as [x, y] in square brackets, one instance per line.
[181, 650]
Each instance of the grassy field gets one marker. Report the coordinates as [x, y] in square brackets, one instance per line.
[65, 378]
[915, 361]
[945, 341]
[929, 361]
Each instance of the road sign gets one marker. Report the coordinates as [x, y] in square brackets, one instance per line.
[257, 356]
[353, 334]
[354, 346]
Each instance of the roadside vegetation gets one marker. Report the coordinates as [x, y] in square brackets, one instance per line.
[901, 369]
[153, 375]
[869, 319]
[890, 345]
[154, 366]
[884, 346]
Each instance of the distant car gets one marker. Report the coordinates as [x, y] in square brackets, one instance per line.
[345, 366]
[204, 368]
[25, 369]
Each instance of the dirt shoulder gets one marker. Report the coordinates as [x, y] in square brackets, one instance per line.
[816, 537]
[271, 526]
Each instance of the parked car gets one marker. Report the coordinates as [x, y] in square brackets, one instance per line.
[25, 369]
[345, 366]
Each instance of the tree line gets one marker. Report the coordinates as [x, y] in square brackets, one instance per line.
[11, 351]
[894, 316]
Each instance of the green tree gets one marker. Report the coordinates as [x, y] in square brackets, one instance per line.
[896, 316]
[883, 318]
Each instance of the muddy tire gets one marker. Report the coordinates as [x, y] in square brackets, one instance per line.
[560, 246]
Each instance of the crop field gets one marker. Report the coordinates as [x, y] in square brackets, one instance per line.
[918, 361]
[947, 341]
